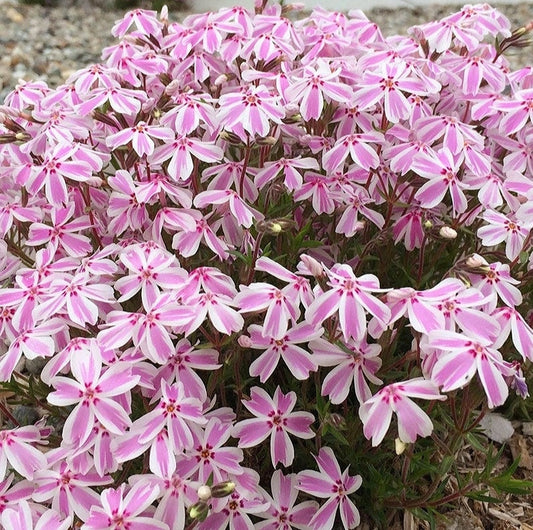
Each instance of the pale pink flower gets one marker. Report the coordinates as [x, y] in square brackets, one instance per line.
[387, 86]
[187, 242]
[123, 100]
[175, 411]
[495, 279]
[182, 366]
[94, 393]
[210, 455]
[189, 111]
[335, 486]
[458, 310]
[280, 308]
[178, 492]
[298, 360]
[320, 189]
[282, 513]
[33, 341]
[350, 297]
[357, 199]
[63, 233]
[74, 295]
[120, 511]
[441, 170]
[355, 145]
[70, 491]
[376, 412]
[16, 449]
[504, 228]
[12, 210]
[409, 227]
[512, 322]
[462, 357]
[11, 495]
[251, 111]
[180, 152]
[150, 332]
[141, 137]
[274, 419]
[22, 518]
[235, 513]
[354, 362]
[298, 288]
[217, 308]
[315, 85]
[150, 269]
[517, 111]
[244, 214]
[422, 307]
[145, 22]
[59, 164]
[292, 178]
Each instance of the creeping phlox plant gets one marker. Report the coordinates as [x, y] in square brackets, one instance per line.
[268, 269]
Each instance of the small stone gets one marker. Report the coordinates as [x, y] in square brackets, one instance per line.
[24, 415]
[35, 366]
[527, 428]
[18, 56]
[13, 15]
[496, 427]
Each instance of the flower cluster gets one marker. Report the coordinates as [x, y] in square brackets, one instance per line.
[234, 219]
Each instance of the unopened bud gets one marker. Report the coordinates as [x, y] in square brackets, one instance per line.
[199, 511]
[447, 232]
[312, 265]
[475, 261]
[223, 489]
[399, 446]
[230, 137]
[266, 140]
[245, 341]
[275, 227]
[337, 421]
[204, 493]
[220, 80]
[295, 6]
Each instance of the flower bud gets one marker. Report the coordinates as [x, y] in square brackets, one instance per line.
[199, 511]
[220, 80]
[204, 493]
[312, 265]
[275, 227]
[399, 446]
[447, 232]
[475, 261]
[336, 421]
[245, 341]
[223, 489]
[266, 140]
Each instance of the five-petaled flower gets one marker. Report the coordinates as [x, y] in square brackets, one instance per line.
[274, 418]
[329, 483]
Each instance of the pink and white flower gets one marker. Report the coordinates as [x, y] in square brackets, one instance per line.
[329, 483]
[376, 412]
[274, 418]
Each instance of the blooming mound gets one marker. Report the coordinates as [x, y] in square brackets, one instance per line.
[245, 247]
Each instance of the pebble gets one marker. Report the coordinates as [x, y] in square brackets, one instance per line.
[48, 43]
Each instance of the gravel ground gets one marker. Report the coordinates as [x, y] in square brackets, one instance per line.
[50, 43]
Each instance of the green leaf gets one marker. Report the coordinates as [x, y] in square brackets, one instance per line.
[481, 496]
[474, 440]
[329, 429]
[515, 486]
